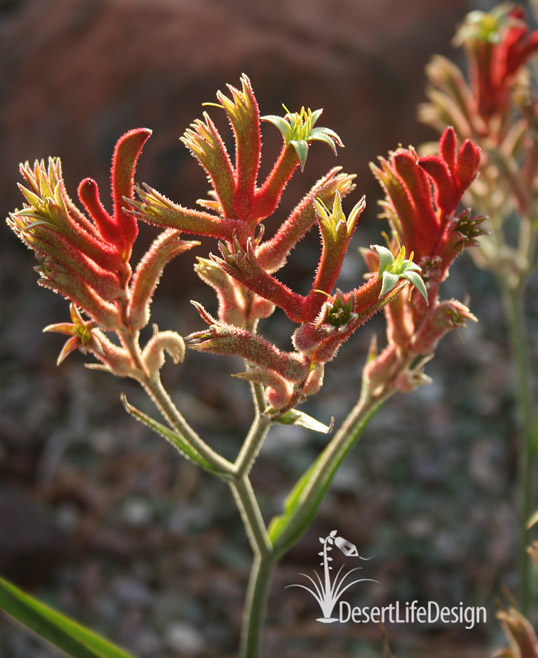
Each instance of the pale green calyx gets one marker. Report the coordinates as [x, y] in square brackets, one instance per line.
[485, 26]
[392, 270]
[298, 130]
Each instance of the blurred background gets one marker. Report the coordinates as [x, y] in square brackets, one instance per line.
[98, 516]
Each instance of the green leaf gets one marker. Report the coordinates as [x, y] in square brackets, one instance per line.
[304, 499]
[67, 635]
[299, 418]
[179, 442]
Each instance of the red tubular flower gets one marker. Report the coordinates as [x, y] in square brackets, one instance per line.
[119, 229]
[424, 221]
[336, 230]
[244, 115]
[451, 175]
[242, 265]
[497, 45]
[86, 259]
[239, 202]
[165, 247]
[273, 253]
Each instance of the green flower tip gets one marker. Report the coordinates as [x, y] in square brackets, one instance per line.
[392, 270]
[483, 26]
[332, 219]
[298, 130]
[340, 311]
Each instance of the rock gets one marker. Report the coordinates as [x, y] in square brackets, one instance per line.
[184, 638]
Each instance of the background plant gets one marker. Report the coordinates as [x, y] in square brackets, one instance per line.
[86, 257]
[494, 104]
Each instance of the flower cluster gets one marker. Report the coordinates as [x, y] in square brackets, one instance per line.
[422, 196]
[495, 106]
[244, 274]
[497, 46]
[86, 258]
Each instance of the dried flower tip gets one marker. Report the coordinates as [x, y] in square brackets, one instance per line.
[79, 330]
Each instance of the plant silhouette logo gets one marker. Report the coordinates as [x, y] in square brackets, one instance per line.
[327, 591]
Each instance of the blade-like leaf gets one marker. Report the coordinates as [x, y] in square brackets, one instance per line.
[71, 638]
[178, 441]
[306, 496]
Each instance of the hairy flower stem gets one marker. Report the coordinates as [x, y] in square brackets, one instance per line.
[252, 445]
[154, 388]
[259, 585]
[156, 391]
[514, 309]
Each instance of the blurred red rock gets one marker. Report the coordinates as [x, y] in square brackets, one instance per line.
[74, 75]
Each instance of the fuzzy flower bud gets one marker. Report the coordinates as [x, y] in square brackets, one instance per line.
[221, 338]
[162, 342]
[278, 390]
[447, 315]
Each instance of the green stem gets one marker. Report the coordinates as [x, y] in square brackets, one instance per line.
[256, 605]
[251, 515]
[266, 554]
[262, 567]
[515, 316]
[156, 391]
[252, 445]
[153, 386]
